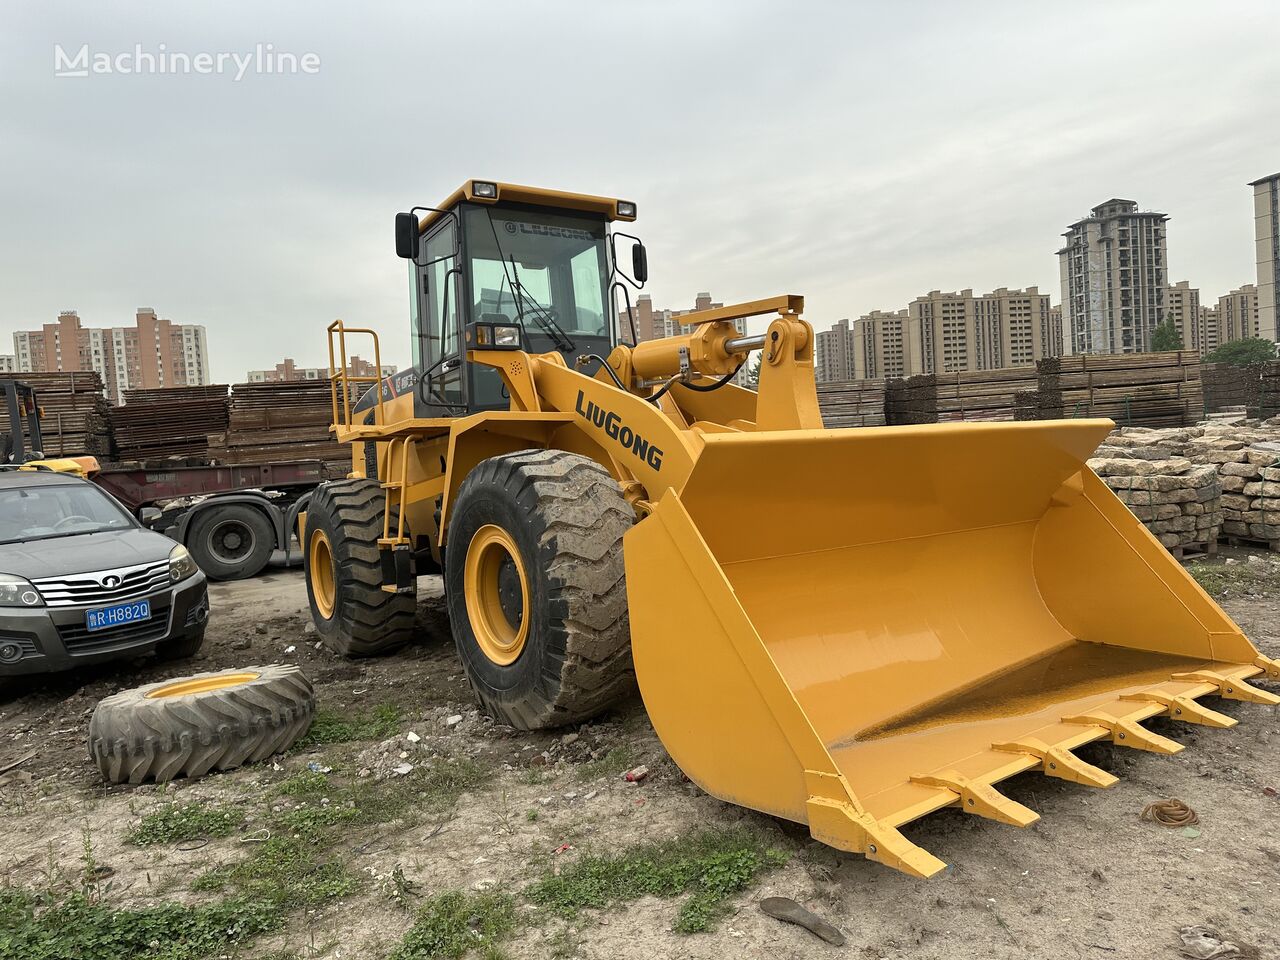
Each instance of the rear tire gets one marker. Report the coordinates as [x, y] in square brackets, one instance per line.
[231, 542]
[536, 588]
[214, 721]
[353, 615]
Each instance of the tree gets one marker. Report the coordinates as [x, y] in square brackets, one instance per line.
[1166, 337]
[1241, 353]
[753, 372]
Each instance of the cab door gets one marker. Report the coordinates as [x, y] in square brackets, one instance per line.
[437, 333]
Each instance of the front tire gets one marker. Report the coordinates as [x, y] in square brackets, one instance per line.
[353, 615]
[536, 588]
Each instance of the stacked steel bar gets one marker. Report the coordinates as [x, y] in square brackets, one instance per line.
[852, 403]
[73, 413]
[911, 400]
[1228, 386]
[969, 395]
[169, 422]
[201, 392]
[273, 422]
[1269, 389]
[1135, 389]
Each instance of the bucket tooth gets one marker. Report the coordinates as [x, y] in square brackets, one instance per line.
[1127, 733]
[1269, 667]
[1184, 708]
[838, 824]
[980, 799]
[1232, 688]
[1060, 762]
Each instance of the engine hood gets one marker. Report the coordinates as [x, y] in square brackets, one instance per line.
[83, 553]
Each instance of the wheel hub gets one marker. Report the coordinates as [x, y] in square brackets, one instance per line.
[231, 541]
[497, 594]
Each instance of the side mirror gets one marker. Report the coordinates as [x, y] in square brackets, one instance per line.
[406, 236]
[639, 263]
[149, 515]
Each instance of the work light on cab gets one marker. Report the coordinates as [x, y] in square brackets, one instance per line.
[493, 336]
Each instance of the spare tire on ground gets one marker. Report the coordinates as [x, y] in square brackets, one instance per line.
[188, 726]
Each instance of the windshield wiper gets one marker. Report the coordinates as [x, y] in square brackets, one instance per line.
[544, 318]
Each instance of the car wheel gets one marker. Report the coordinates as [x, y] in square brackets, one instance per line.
[231, 542]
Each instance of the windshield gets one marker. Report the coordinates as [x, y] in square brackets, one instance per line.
[57, 510]
[546, 269]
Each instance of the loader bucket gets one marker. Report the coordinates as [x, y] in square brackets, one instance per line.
[853, 628]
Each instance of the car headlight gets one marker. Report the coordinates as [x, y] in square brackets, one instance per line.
[16, 592]
[181, 565]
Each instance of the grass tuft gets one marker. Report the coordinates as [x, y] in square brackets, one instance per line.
[710, 865]
[1223, 581]
[453, 924]
[40, 926]
[175, 822]
[377, 723]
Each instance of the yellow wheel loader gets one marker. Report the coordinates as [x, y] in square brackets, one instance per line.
[846, 628]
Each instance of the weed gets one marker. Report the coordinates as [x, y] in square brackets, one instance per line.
[711, 865]
[328, 727]
[531, 815]
[615, 763]
[1223, 581]
[453, 924]
[286, 871]
[175, 822]
[328, 801]
[41, 925]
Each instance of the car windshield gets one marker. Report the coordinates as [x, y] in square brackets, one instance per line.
[57, 510]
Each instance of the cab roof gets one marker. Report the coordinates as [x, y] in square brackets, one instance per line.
[537, 196]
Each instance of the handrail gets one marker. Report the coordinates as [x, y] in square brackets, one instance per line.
[341, 374]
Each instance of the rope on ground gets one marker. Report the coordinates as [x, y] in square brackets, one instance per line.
[1169, 813]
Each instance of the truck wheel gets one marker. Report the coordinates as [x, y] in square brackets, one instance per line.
[536, 589]
[231, 542]
[353, 615]
[188, 726]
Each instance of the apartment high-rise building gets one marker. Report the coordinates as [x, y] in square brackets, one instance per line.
[154, 352]
[1210, 330]
[288, 371]
[833, 353]
[1266, 232]
[1182, 307]
[1114, 276]
[1238, 317]
[8, 363]
[882, 347]
[951, 332]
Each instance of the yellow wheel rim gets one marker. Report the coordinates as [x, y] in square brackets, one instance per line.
[497, 593]
[202, 685]
[320, 563]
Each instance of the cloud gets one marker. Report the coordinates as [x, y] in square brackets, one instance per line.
[860, 154]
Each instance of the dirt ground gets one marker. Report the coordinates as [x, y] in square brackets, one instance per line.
[1088, 880]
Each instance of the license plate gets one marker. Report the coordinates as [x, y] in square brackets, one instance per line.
[117, 615]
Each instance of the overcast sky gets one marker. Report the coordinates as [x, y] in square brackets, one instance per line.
[859, 154]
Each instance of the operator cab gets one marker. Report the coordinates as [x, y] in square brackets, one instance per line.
[538, 263]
